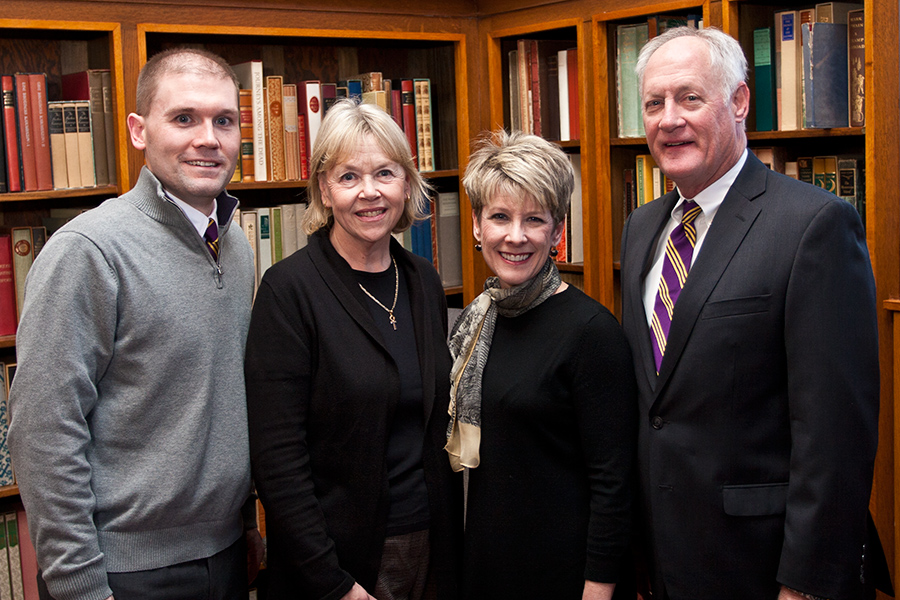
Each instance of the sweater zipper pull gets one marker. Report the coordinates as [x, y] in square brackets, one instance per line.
[219, 277]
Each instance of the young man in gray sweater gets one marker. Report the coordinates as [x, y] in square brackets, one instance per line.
[129, 426]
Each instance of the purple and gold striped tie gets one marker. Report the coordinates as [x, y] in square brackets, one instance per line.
[212, 239]
[677, 263]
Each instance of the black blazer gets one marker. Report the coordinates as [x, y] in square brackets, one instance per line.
[321, 391]
[757, 439]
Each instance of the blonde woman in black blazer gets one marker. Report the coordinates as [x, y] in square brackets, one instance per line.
[348, 384]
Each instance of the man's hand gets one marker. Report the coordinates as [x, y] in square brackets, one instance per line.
[256, 550]
[357, 593]
[594, 590]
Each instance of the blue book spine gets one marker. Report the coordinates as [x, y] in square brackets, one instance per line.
[825, 75]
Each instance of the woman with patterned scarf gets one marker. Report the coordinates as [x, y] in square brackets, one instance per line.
[543, 396]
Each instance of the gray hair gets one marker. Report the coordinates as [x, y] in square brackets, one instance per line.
[517, 163]
[726, 57]
[342, 130]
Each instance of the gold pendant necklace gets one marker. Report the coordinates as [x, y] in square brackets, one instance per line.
[390, 311]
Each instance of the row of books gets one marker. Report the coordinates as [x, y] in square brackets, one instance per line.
[18, 248]
[543, 89]
[630, 38]
[280, 121]
[274, 233]
[438, 238]
[810, 68]
[842, 175]
[56, 144]
[571, 248]
[18, 561]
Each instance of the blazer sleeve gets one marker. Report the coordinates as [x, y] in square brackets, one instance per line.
[831, 340]
[278, 372]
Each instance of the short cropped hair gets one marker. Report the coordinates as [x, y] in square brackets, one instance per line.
[342, 131]
[521, 165]
[726, 58]
[193, 61]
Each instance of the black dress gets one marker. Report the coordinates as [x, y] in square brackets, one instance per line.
[550, 503]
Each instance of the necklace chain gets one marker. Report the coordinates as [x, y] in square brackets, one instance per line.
[390, 311]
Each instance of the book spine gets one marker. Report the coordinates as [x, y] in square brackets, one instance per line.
[10, 135]
[37, 89]
[22, 257]
[15, 560]
[29, 558]
[408, 103]
[424, 126]
[291, 133]
[449, 238]
[98, 125]
[524, 79]
[275, 126]
[26, 133]
[626, 81]
[70, 130]
[856, 48]
[765, 79]
[58, 145]
[574, 97]
[562, 61]
[302, 144]
[791, 76]
[311, 101]
[110, 125]
[8, 312]
[246, 112]
[85, 145]
[534, 71]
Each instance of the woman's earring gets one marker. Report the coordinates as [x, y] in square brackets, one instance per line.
[477, 247]
[553, 252]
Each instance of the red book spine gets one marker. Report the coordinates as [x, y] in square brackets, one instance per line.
[304, 155]
[396, 107]
[26, 132]
[40, 121]
[11, 143]
[534, 70]
[574, 103]
[408, 104]
[28, 557]
[8, 319]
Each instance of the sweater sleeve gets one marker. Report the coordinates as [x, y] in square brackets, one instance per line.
[278, 373]
[605, 393]
[64, 344]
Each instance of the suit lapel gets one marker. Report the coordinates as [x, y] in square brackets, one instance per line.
[733, 220]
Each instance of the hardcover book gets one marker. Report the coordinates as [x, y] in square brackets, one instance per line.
[37, 84]
[275, 126]
[449, 241]
[248, 163]
[856, 55]
[88, 85]
[26, 132]
[764, 71]
[70, 131]
[250, 75]
[8, 310]
[85, 144]
[825, 86]
[11, 135]
[58, 145]
[788, 70]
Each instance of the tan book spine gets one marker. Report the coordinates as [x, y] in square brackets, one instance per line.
[291, 133]
[274, 96]
[70, 129]
[58, 145]
[23, 256]
[247, 160]
[85, 143]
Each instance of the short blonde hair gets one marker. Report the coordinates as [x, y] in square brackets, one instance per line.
[341, 133]
[519, 164]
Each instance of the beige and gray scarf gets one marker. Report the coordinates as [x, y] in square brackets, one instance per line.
[470, 344]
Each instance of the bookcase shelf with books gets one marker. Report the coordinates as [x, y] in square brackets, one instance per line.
[536, 77]
[314, 57]
[617, 36]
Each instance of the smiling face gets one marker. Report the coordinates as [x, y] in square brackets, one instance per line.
[694, 133]
[191, 136]
[516, 236]
[366, 194]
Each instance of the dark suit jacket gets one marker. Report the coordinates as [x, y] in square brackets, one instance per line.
[757, 438]
[321, 392]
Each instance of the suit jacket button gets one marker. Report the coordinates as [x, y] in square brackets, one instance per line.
[656, 422]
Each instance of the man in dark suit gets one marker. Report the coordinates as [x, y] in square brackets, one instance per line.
[755, 346]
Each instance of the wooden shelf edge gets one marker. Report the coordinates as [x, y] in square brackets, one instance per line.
[103, 190]
[9, 490]
[892, 304]
[7, 341]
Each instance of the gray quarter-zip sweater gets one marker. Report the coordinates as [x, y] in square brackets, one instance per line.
[128, 414]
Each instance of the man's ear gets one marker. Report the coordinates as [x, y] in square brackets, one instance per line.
[137, 131]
